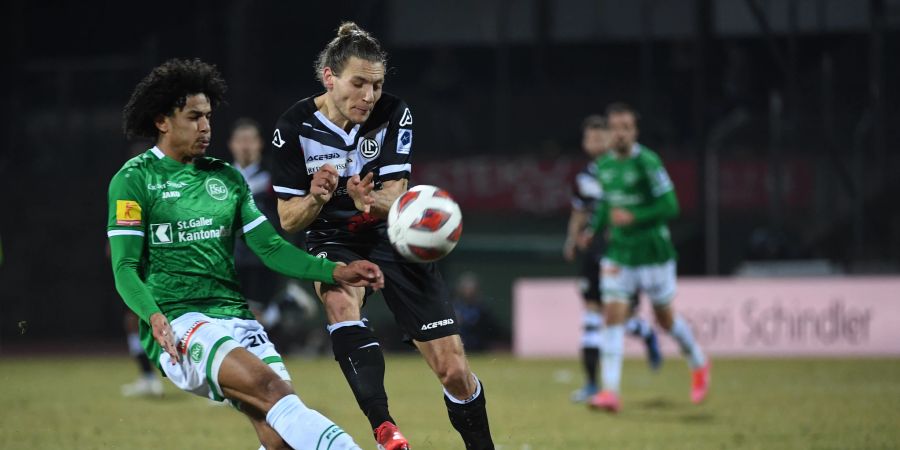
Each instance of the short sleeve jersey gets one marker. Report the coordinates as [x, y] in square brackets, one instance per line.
[586, 190]
[636, 181]
[188, 216]
[305, 140]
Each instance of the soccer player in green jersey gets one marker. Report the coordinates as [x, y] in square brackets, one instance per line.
[174, 215]
[637, 204]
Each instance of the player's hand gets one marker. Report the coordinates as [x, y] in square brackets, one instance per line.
[323, 183]
[360, 190]
[621, 217]
[359, 273]
[585, 238]
[569, 250]
[164, 335]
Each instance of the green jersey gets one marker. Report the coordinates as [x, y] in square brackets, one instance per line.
[189, 215]
[172, 228]
[640, 184]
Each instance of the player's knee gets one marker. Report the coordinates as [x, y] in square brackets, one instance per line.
[453, 374]
[615, 310]
[340, 305]
[274, 389]
[664, 317]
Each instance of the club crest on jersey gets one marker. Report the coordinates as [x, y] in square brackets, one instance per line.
[277, 141]
[369, 148]
[406, 119]
[196, 352]
[216, 189]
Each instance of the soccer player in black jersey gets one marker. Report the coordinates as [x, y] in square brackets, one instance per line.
[342, 158]
[586, 192]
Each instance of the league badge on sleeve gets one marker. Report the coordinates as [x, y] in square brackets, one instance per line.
[128, 212]
[404, 141]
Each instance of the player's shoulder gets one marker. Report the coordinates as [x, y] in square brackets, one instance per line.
[218, 166]
[135, 168]
[390, 106]
[604, 160]
[299, 112]
[646, 155]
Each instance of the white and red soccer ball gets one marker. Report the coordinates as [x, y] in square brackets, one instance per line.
[424, 224]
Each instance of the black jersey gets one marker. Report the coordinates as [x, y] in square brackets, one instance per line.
[305, 140]
[586, 190]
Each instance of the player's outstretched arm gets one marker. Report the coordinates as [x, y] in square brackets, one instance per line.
[298, 212]
[664, 207]
[601, 217]
[125, 252]
[282, 257]
[360, 273]
[577, 221]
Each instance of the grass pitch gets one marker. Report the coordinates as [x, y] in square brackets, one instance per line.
[74, 403]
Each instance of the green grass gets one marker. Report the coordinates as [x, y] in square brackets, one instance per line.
[74, 403]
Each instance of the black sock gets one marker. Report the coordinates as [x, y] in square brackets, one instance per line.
[144, 363]
[363, 367]
[471, 421]
[591, 359]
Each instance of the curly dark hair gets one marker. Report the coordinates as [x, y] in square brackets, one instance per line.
[167, 88]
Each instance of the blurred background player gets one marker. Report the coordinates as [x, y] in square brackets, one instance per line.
[580, 243]
[258, 283]
[283, 312]
[174, 214]
[354, 135]
[638, 202]
[478, 327]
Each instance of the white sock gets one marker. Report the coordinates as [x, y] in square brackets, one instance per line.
[638, 327]
[681, 331]
[305, 428]
[613, 339]
[593, 322]
[134, 344]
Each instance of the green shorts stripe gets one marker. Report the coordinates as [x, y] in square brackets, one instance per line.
[272, 360]
[217, 395]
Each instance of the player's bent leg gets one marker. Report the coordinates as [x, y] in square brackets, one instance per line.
[357, 351]
[245, 378]
[679, 329]
[463, 391]
[268, 437]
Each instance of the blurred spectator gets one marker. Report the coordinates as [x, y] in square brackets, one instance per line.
[478, 328]
[258, 283]
[282, 306]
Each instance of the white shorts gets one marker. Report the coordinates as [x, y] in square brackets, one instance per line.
[620, 282]
[204, 341]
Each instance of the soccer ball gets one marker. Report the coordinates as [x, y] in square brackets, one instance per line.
[424, 224]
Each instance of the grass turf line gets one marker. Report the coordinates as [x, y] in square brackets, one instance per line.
[74, 403]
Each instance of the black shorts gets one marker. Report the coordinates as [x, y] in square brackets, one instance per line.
[415, 293]
[590, 275]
